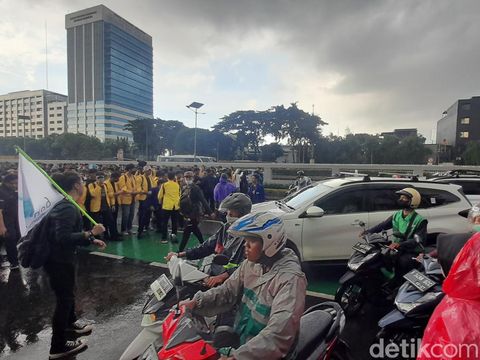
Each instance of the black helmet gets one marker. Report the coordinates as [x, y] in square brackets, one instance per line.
[300, 173]
[236, 201]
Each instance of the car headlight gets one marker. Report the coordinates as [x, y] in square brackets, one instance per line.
[407, 307]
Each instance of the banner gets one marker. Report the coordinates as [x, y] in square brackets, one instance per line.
[36, 195]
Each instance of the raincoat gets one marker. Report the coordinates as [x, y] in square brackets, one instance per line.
[453, 331]
[271, 305]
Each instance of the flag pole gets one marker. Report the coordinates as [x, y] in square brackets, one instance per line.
[68, 197]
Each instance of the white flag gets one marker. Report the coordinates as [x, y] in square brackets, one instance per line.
[36, 195]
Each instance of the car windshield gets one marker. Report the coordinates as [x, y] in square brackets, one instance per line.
[307, 194]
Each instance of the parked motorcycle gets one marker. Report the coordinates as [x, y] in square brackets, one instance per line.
[369, 275]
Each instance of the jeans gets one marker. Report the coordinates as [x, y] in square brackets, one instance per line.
[11, 240]
[62, 282]
[128, 212]
[191, 227]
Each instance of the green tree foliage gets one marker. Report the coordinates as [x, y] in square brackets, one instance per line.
[271, 152]
[471, 155]
[67, 147]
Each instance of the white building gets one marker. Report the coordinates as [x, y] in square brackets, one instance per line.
[25, 113]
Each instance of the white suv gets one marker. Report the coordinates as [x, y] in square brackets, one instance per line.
[320, 219]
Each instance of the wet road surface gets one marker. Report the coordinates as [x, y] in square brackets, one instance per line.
[110, 293]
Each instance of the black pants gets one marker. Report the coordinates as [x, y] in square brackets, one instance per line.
[115, 215]
[403, 262]
[11, 240]
[169, 214]
[62, 282]
[144, 215]
[191, 227]
[105, 217]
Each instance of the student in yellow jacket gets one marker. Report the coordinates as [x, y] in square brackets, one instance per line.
[126, 199]
[145, 181]
[169, 198]
[102, 200]
[113, 187]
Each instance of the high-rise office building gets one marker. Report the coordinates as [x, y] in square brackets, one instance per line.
[110, 75]
[33, 114]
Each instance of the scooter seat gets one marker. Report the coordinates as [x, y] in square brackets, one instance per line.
[314, 327]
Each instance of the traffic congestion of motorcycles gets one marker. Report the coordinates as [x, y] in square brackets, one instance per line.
[410, 288]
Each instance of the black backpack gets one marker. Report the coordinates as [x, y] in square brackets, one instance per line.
[34, 248]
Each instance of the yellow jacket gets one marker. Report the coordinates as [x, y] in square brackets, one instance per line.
[141, 183]
[127, 184]
[169, 195]
[112, 189]
[95, 191]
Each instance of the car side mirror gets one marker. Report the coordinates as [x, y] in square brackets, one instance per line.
[314, 211]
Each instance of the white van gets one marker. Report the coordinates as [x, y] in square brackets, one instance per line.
[185, 158]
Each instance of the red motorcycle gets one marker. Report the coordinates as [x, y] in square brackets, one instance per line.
[186, 336]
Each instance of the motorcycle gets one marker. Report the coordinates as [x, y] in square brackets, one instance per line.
[415, 302]
[188, 336]
[369, 275]
[163, 296]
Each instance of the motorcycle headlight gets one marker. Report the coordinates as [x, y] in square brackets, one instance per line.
[407, 307]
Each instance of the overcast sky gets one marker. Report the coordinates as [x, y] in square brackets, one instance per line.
[370, 66]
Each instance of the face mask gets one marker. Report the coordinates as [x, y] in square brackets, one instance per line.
[232, 219]
[403, 204]
[476, 228]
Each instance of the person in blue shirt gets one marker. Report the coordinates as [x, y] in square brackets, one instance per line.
[256, 190]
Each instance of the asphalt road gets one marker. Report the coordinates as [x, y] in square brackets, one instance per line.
[111, 294]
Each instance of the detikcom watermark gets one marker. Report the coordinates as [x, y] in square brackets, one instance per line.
[414, 347]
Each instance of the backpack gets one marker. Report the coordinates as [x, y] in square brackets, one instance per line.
[186, 204]
[34, 248]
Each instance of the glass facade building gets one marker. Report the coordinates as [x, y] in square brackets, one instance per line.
[110, 75]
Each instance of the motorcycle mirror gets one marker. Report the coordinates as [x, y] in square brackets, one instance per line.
[221, 259]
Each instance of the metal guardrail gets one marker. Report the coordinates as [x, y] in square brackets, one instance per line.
[283, 173]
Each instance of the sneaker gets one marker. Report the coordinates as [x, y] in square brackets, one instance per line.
[78, 329]
[71, 348]
[14, 267]
[173, 238]
[164, 241]
[125, 233]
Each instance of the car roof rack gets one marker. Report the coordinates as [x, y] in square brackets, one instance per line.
[458, 172]
[344, 174]
[400, 175]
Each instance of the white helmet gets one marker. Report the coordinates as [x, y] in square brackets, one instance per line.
[265, 226]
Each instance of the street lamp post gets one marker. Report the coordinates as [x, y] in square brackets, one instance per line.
[194, 106]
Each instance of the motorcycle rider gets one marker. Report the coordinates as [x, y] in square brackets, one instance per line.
[235, 206]
[270, 288]
[301, 182]
[406, 223]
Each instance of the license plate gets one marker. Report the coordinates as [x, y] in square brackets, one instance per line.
[362, 247]
[150, 354]
[161, 287]
[420, 281]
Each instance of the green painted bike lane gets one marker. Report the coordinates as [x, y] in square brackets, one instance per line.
[321, 281]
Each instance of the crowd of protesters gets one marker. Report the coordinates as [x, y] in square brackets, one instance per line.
[156, 196]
